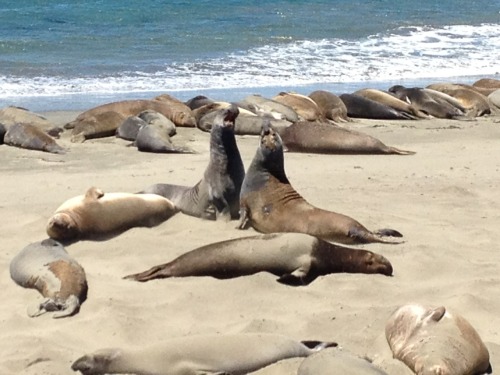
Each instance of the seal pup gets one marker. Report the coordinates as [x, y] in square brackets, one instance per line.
[235, 354]
[331, 105]
[32, 138]
[361, 107]
[296, 258]
[269, 203]
[217, 193]
[47, 267]
[436, 341]
[324, 138]
[97, 215]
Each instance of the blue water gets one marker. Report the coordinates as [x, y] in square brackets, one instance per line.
[72, 55]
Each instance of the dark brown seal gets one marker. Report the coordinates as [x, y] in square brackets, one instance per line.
[32, 138]
[217, 193]
[270, 204]
[296, 258]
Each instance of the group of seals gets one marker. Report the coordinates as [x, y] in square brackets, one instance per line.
[236, 354]
[297, 259]
[47, 267]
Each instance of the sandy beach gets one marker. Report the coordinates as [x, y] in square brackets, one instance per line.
[444, 199]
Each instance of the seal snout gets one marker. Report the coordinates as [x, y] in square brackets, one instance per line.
[230, 114]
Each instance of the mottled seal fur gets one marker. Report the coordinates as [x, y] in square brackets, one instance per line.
[436, 341]
[217, 193]
[97, 215]
[47, 267]
[32, 138]
[269, 203]
[296, 258]
[235, 354]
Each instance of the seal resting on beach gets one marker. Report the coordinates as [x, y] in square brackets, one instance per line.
[269, 203]
[32, 138]
[97, 215]
[155, 138]
[296, 258]
[99, 125]
[235, 354]
[474, 103]
[487, 85]
[47, 267]
[436, 341]
[304, 106]
[361, 107]
[332, 107]
[217, 193]
[17, 115]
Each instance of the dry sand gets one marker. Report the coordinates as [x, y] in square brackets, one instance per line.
[445, 200]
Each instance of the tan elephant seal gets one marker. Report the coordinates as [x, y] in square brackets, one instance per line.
[104, 124]
[97, 215]
[487, 85]
[304, 106]
[332, 107]
[32, 138]
[474, 103]
[181, 113]
[235, 354]
[17, 115]
[271, 106]
[47, 267]
[296, 258]
[269, 203]
[494, 99]
[436, 341]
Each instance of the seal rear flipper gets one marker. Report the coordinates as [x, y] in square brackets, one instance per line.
[296, 278]
[387, 232]
[43, 307]
[71, 307]
[362, 236]
[157, 272]
[398, 151]
[319, 345]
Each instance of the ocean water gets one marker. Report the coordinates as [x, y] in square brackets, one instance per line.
[76, 54]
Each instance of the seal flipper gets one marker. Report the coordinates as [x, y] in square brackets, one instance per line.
[156, 272]
[436, 314]
[71, 307]
[43, 307]
[387, 232]
[361, 235]
[296, 278]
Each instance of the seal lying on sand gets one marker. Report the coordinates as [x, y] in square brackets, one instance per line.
[96, 215]
[436, 341]
[304, 106]
[270, 204]
[361, 107]
[332, 107]
[296, 258]
[47, 267]
[217, 193]
[32, 138]
[236, 354]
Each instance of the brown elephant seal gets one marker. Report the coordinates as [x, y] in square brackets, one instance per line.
[17, 115]
[47, 267]
[296, 258]
[487, 85]
[324, 138]
[271, 106]
[198, 101]
[337, 362]
[217, 193]
[155, 138]
[304, 106]
[235, 354]
[97, 215]
[332, 107]
[474, 103]
[269, 203]
[100, 125]
[181, 113]
[436, 341]
[32, 138]
[361, 107]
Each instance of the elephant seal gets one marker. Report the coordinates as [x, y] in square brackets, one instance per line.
[99, 125]
[235, 354]
[181, 113]
[47, 267]
[270, 204]
[97, 215]
[17, 115]
[436, 341]
[198, 101]
[494, 99]
[154, 118]
[32, 138]
[3, 130]
[296, 258]
[304, 106]
[129, 128]
[474, 103]
[271, 106]
[487, 85]
[361, 107]
[217, 193]
[331, 105]
[154, 138]
[324, 138]
[337, 362]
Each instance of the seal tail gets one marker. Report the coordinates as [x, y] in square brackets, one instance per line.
[319, 345]
[156, 272]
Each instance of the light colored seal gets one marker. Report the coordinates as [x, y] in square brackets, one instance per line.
[32, 138]
[217, 193]
[100, 125]
[361, 107]
[436, 341]
[303, 105]
[494, 99]
[271, 106]
[325, 138]
[130, 127]
[296, 258]
[474, 103]
[16, 115]
[47, 267]
[181, 113]
[337, 362]
[235, 354]
[269, 203]
[97, 215]
[487, 85]
[155, 118]
[332, 107]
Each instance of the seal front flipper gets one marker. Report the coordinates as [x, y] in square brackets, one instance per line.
[296, 278]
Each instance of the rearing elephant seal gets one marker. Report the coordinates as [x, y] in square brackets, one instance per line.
[217, 193]
[270, 204]
[296, 258]
[47, 267]
[236, 354]
[436, 341]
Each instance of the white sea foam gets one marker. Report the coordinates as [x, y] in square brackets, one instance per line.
[407, 53]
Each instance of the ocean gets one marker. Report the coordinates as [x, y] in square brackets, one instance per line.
[71, 55]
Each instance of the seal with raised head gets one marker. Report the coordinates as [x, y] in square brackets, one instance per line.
[436, 341]
[97, 215]
[47, 267]
[324, 138]
[296, 258]
[270, 204]
[32, 138]
[235, 354]
[217, 193]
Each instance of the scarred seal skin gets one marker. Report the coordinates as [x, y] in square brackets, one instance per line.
[269, 203]
[236, 354]
[296, 258]
[436, 341]
[47, 267]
